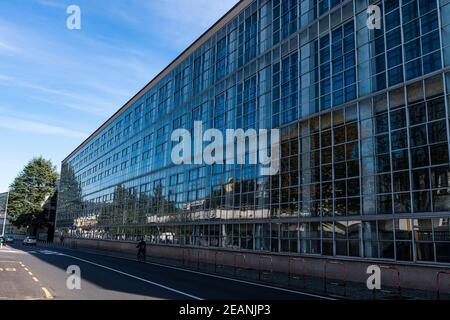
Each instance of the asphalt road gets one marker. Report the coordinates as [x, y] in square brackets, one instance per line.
[40, 273]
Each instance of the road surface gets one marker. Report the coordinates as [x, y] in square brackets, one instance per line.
[37, 273]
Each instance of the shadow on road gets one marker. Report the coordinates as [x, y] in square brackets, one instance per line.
[106, 279]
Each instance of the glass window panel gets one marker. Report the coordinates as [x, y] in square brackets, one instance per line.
[327, 248]
[354, 250]
[420, 157]
[354, 206]
[443, 252]
[383, 163]
[415, 92]
[417, 114]
[403, 229]
[371, 249]
[412, 50]
[440, 177]
[432, 62]
[436, 109]
[382, 144]
[441, 200]
[382, 123]
[352, 169]
[401, 181]
[421, 179]
[384, 204]
[397, 98]
[441, 229]
[439, 154]
[384, 183]
[410, 12]
[434, 86]
[418, 136]
[430, 42]
[385, 230]
[400, 160]
[437, 131]
[411, 30]
[413, 69]
[370, 230]
[422, 201]
[423, 230]
[386, 249]
[404, 250]
[402, 203]
[399, 140]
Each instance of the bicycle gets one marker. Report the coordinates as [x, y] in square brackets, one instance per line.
[141, 256]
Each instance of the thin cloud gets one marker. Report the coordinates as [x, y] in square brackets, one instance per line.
[28, 126]
[85, 103]
[4, 46]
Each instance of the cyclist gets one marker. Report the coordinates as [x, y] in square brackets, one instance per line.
[142, 247]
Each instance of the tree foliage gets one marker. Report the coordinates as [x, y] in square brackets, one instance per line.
[70, 202]
[29, 193]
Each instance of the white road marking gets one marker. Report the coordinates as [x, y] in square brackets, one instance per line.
[47, 293]
[35, 279]
[48, 252]
[237, 280]
[135, 277]
[12, 252]
[224, 278]
[242, 281]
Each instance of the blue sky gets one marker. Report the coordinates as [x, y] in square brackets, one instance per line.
[58, 85]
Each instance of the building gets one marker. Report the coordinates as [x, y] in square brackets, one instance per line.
[4, 223]
[364, 119]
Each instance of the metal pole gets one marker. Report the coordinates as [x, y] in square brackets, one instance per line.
[4, 220]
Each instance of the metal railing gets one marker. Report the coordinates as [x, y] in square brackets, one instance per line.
[335, 272]
[59, 244]
[243, 265]
[325, 275]
[291, 271]
[188, 258]
[216, 261]
[398, 280]
[268, 269]
[438, 282]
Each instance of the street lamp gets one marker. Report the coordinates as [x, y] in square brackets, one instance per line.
[4, 220]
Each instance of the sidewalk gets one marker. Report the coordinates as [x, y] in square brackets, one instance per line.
[314, 285]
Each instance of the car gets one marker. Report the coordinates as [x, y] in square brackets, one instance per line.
[9, 239]
[29, 241]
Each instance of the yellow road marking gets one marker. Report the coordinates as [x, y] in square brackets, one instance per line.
[35, 279]
[30, 273]
[47, 293]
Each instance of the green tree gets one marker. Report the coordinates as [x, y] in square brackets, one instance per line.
[30, 191]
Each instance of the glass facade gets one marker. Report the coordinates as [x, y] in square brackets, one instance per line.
[364, 120]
